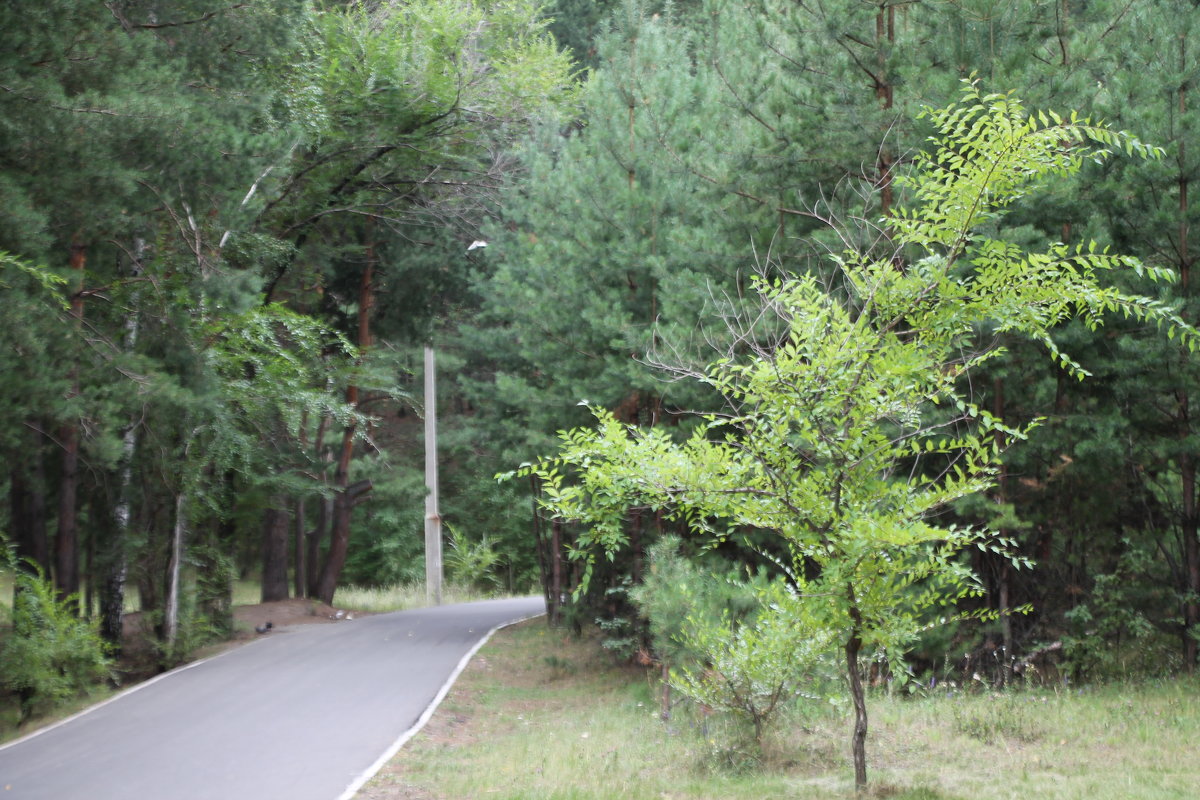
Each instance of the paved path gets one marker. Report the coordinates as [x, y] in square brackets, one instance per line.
[301, 714]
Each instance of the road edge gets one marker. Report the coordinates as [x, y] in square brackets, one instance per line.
[428, 713]
[128, 690]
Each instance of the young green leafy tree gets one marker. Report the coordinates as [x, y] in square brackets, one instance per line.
[848, 419]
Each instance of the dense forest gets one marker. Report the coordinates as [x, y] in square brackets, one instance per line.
[228, 229]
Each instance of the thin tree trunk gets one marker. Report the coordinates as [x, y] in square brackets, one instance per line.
[858, 740]
[556, 572]
[319, 532]
[885, 31]
[174, 564]
[299, 523]
[66, 544]
[116, 559]
[539, 538]
[300, 562]
[317, 535]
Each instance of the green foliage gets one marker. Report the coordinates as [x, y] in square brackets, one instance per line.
[1110, 634]
[389, 539]
[756, 667]
[681, 592]
[847, 422]
[472, 563]
[195, 629]
[51, 655]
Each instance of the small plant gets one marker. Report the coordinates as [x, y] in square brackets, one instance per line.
[559, 667]
[758, 667]
[730, 753]
[51, 655]
[998, 716]
[472, 563]
[195, 630]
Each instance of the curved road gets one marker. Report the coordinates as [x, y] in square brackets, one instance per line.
[303, 714]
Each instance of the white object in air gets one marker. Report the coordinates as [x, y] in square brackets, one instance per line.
[476, 244]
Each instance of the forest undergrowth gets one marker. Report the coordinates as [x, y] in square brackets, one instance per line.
[542, 714]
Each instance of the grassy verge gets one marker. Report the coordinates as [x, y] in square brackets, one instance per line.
[541, 715]
[402, 597]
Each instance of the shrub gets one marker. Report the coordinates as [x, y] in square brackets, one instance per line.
[472, 563]
[51, 655]
[744, 646]
[758, 666]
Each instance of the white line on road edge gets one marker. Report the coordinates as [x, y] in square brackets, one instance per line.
[427, 714]
[122, 694]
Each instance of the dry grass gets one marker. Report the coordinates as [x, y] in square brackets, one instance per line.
[541, 715]
[401, 597]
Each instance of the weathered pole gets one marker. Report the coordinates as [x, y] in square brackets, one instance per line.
[433, 520]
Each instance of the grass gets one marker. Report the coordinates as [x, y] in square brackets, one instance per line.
[542, 715]
[402, 597]
[245, 592]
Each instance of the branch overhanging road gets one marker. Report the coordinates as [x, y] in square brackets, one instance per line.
[302, 714]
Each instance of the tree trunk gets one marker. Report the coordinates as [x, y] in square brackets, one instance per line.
[174, 564]
[539, 538]
[275, 552]
[66, 544]
[885, 31]
[319, 532]
[858, 741]
[317, 535]
[343, 503]
[339, 539]
[116, 559]
[300, 563]
[556, 572]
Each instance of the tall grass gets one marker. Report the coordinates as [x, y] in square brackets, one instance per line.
[403, 596]
[542, 715]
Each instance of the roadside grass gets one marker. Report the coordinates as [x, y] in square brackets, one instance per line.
[403, 596]
[539, 714]
[245, 592]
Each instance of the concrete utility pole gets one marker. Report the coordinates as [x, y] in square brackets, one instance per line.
[433, 519]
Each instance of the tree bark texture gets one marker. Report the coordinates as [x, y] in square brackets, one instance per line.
[174, 566]
[339, 539]
[275, 552]
[858, 740]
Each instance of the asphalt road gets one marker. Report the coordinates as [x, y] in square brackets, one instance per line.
[301, 714]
